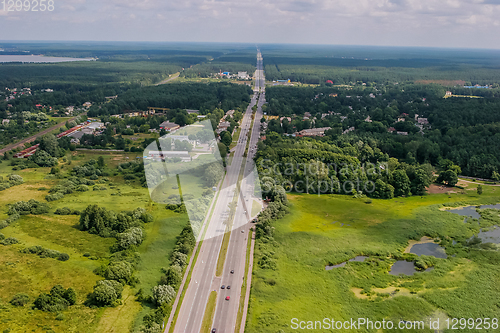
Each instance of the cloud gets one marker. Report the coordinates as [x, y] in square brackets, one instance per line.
[301, 21]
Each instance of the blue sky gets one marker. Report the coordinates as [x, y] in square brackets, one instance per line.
[434, 23]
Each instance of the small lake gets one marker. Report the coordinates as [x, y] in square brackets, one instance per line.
[342, 264]
[38, 59]
[490, 236]
[405, 268]
[429, 249]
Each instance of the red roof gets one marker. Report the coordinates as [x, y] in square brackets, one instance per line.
[329, 81]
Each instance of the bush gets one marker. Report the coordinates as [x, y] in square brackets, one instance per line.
[28, 207]
[57, 300]
[107, 292]
[9, 241]
[163, 294]
[82, 188]
[54, 197]
[120, 271]
[63, 257]
[20, 299]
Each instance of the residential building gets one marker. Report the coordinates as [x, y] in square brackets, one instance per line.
[313, 132]
[169, 126]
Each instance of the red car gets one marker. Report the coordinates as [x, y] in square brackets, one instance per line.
[227, 298]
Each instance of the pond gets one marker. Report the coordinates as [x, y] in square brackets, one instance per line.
[342, 264]
[490, 236]
[429, 249]
[405, 268]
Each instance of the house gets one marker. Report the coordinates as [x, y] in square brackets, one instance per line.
[111, 97]
[38, 106]
[243, 75]
[448, 93]
[401, 119]
[169, 126]
[287, 118]
[75, 141]
[329, 82]
[368, 120]
[5, 121]
[223, 126]
[192, 111]
[391, 130]
[70, 109]
[333, 95]
[402, 133]
[313, 132]
[423, 121]
[87, 104]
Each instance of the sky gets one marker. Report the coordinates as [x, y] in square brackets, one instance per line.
[431, 23]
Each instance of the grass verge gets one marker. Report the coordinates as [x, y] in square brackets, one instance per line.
[244, 285]
[209, 313]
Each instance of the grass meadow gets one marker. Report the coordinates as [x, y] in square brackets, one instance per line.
[30, 274]
[330, 229]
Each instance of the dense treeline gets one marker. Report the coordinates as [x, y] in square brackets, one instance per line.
[463, 130]
[203, 97]
[307, 165]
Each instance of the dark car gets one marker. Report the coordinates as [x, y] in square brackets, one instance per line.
[228, 287]
[214, 330]
[223, 287]
[232, 271]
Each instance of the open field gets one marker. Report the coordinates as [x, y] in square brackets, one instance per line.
[331, 229]
[28, 273]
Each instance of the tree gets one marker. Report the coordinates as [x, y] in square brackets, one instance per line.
[173, 276]
[401, 183]
[107, 292]
[120, 271]
[163, 294]
[479, 189]
[226, 138]
[449, 176]
[49, 144]
[495, 176]
[100, 162]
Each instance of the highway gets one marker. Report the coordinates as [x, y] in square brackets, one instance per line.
[204, 279]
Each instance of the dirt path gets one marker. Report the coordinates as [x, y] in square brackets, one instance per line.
[33, 137]
[169, 79]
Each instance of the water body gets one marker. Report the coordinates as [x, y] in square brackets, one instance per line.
[465, 211]
[429, 249]
[358, 259]
[490, 236]
[405, 268]
[38, 59]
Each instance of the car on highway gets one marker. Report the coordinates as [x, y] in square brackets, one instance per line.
[227, 298]
[232, 271]
[214, 330]
[228, 287]
[223, 287]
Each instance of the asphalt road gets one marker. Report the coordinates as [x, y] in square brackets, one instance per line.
[203, 279]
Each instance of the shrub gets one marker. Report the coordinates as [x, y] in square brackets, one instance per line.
[28, 207]
[163, 294]
[57, 300]
[82, 188]
[107, 292]
[63, 257]
[20, 299]
[9, 241]
[120, 271]
[54, 197]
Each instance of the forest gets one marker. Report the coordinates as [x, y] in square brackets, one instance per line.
[199, 96]
[463, 130]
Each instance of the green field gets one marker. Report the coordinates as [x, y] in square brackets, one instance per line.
[30, 274]
[312, 236]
